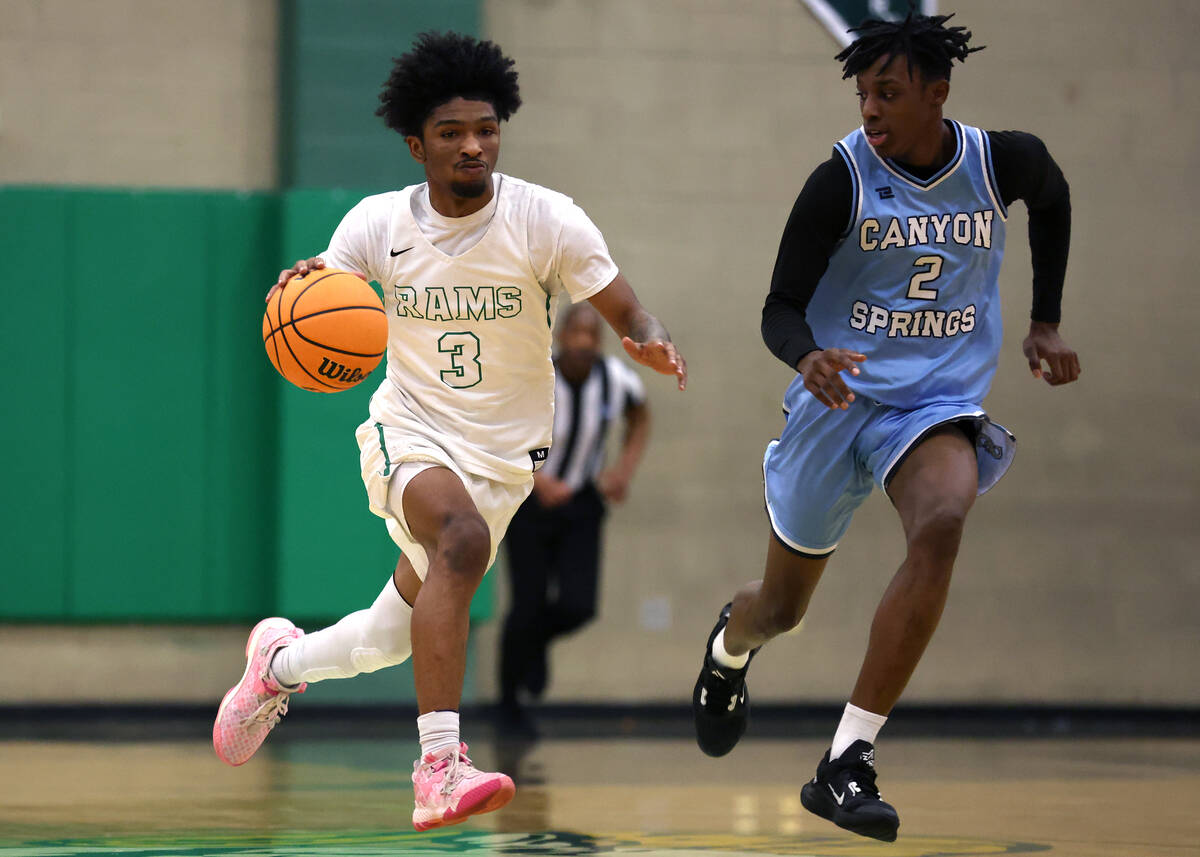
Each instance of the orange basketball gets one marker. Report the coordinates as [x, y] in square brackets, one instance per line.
[325, 331]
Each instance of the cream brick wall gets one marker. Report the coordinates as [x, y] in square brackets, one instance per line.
[686, 128]
[138, 92]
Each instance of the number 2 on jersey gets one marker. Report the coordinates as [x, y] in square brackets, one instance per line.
[466, 370]
[933, 270]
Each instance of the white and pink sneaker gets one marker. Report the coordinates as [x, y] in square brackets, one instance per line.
[254, 705]
[448, 789]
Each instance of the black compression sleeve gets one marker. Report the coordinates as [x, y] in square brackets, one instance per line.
[818, 220]
[1025, 170]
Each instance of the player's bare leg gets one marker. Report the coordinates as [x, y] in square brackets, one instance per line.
[766, 608]
[933, 491]
[442, 517]
[761, 610]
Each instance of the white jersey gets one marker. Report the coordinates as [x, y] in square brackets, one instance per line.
[468, 357]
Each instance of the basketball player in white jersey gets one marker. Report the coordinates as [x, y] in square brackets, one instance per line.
[472, 263]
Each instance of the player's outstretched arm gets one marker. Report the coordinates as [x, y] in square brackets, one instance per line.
[821, 370]
[644, 338]
[1044, 345]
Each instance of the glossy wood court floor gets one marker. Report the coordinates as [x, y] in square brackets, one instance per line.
[1121, 797]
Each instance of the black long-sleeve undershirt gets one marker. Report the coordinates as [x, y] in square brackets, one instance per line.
[1024, 170]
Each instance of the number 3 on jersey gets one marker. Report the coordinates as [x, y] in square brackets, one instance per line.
[466, 370]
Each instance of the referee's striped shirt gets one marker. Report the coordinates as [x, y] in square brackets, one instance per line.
[582, 416]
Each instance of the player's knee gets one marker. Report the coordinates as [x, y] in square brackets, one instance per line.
[936, 534]
[385, 642]
[369, 659]
[397, 651]
[465, 545]
[394, 642]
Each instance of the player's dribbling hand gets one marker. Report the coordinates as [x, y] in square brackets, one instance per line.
[822, 375]
[660, 356]
[302, 267]
[1043, 344]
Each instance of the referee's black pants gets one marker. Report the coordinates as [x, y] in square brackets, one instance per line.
[553, 574]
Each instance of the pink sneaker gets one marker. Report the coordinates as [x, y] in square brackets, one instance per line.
[448, 789]
[254, 705]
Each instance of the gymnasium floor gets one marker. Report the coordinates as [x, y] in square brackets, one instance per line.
[312, 795]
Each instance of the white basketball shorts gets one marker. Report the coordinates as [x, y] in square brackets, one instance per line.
[390, 457]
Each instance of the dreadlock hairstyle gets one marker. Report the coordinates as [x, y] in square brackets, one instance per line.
[439, 68]
[921, 39]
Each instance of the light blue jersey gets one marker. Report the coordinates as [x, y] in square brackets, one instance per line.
[913, 283]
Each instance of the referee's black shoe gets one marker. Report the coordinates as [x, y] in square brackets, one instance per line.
[844, 792]
[720, 704]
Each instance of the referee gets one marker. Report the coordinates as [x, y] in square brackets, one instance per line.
[553, 542]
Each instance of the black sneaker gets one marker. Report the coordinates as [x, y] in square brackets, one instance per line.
[844, 792]
[719, 700]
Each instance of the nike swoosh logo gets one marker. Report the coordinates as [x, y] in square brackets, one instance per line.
[398, 252]
[839, 798]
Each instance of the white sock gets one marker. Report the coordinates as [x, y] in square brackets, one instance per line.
[857, 725]
[438, 731]
[362, 642]
[734, 662]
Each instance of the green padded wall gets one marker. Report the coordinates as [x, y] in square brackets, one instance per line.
[333, 61]
[142, 469]
[35, 228]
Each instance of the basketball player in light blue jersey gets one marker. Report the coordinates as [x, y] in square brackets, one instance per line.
[884, 299]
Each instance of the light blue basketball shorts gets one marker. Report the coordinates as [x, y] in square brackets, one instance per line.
[822, 467]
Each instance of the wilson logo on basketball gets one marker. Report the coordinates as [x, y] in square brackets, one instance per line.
[338, 372]
[326, 331]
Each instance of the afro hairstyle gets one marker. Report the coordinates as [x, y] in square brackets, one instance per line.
[439, 68]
